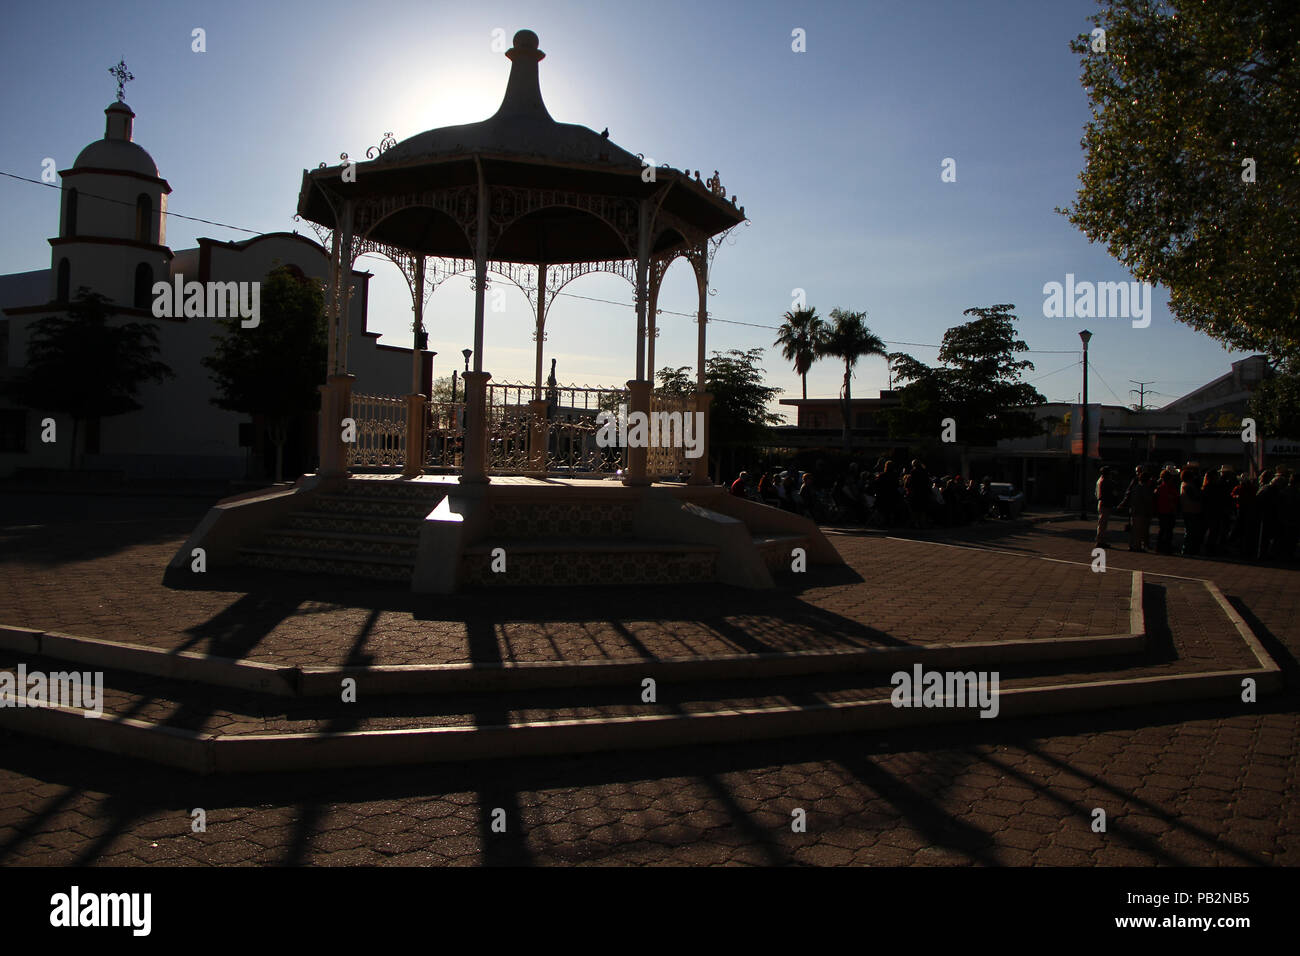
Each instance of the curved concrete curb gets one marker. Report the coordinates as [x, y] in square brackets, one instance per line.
[450, 678]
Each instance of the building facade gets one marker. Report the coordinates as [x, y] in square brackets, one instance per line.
[112, 239]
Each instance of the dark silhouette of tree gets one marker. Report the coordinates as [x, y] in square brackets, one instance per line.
[848, 338]
[800, 336]
[86, 367]
[274, 369]
[739, 418]
[978, 384]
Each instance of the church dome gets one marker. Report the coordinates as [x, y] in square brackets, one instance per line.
[116, 150]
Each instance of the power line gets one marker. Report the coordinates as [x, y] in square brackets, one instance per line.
[1050, 374]
[1107, 384]
[572, 295]
[123, 202]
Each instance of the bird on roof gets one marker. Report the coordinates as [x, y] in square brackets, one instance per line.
[605, 132]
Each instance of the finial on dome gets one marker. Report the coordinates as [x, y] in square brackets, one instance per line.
[525, 44]
[523, 97]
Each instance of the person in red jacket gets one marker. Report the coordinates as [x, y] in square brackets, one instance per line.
[1166, 511]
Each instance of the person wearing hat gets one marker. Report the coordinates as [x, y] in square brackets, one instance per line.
[1141, 503]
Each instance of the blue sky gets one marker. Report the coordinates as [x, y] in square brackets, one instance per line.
[835, 153]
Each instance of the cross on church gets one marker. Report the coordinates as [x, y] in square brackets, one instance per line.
[123, 78]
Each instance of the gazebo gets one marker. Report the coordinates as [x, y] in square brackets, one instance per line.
[538, 203]
[531, 200]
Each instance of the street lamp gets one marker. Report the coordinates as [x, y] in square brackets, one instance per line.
[467, 353]
[1085, 335]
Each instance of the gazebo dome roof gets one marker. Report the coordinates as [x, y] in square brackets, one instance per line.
[521, 126]
[560, 193]
[116, 151]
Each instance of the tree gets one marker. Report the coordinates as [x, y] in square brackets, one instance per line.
[738, 415]
[86, 367]
[849, 338]
[274, 370]
[978, 384]
[800, 336]
[1193, 160]
[1275, 404]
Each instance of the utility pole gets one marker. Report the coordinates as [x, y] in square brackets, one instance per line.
[1142, 393]
[1084, 336]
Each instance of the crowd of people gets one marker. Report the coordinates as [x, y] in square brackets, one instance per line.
[1222, 512]
[884, 496]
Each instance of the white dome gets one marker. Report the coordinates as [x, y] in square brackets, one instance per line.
[116, 154]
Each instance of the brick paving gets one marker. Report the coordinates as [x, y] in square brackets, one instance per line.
[104, 580]
[1203, 783]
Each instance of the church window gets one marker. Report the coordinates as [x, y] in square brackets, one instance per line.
[144, 219]
[143, 285]
[70, 214]
[64, 281]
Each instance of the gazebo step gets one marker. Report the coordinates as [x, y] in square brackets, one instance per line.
[595, 516]
[371, 566]
[394, 488]
[586, 561]
[343, 542]
[399, 526]
[366, 505]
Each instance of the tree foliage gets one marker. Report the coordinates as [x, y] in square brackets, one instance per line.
[800, 337]
[87, 367]
[1275, 404]
[739, 417]
[848, 338]
[274, 369]
[978, 383]
[1190, 98]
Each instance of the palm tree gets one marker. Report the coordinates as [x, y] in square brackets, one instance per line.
[849, 338]
[800, 337]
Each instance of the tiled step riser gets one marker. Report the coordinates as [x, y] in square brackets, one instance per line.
[580, 518]
[311, 565]
[347, 524]
[355, 507]
[357, 546]
[393, 492]
[534, 569]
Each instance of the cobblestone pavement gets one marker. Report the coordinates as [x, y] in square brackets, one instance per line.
[103, 578]
[1199, 783]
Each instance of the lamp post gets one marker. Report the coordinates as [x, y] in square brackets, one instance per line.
[467, 353]
[1085, 335]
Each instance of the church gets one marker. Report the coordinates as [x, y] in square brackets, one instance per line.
[112, 239]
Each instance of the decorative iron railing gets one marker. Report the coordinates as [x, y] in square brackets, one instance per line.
[674, 414]
[380, 438]
[445, 428]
